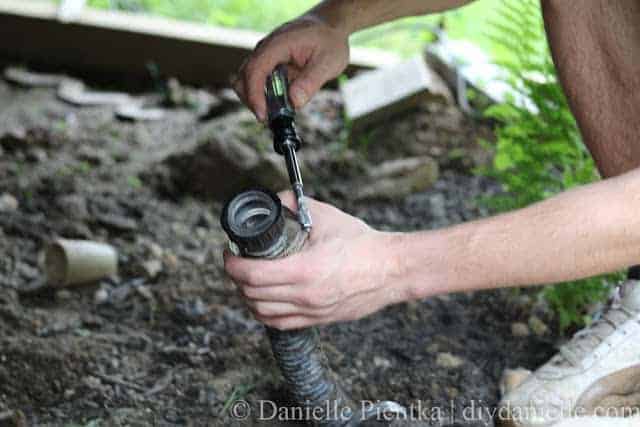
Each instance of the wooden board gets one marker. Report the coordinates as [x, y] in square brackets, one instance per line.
[376, 95]
[115, 42]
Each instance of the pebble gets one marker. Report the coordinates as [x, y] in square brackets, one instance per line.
[191, 310]
[101, 296]
[8, 203]
[64, 294]
[92, 382]
[520, 329]
[381, 362]
[152, 268]
[512, 378]
[448, 361]
[171, 260]
[538, 326]
[155, 250]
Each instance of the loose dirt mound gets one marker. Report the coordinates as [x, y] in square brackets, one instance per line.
[169, 342]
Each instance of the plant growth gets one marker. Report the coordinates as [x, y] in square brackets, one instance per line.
[538, 148]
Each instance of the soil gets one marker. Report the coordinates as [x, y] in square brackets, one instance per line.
[177, 346]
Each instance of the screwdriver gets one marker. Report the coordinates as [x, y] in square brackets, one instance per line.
[281, 119]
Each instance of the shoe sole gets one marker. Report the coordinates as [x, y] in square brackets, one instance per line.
[617, 392]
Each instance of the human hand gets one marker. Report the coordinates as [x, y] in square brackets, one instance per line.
[345, 271]
[313, 51]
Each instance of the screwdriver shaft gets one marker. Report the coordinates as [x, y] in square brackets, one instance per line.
[298, 188]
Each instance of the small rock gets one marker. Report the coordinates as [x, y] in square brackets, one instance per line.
[438, 206]
[64, 294]
[538, 326]
[399, 178]
[520, 329]
[92, 382]
[155, 250]
[193, 310]
[117, 222]
[101, 296]
[145, 291]
[381, 362]
[152, 268]
[448, 361]
[8, 203]
[171, 261]
[512, 378]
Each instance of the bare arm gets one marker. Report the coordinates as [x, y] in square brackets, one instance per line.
[349, 270]
[355, 15]
[587, 231]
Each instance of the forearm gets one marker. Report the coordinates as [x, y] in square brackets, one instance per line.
[587, 231]
[355, 15]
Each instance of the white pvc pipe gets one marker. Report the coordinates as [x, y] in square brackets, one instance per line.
[73, 262]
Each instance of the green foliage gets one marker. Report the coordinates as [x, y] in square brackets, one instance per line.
[538, 149]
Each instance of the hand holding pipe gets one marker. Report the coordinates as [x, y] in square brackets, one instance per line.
[260, 227]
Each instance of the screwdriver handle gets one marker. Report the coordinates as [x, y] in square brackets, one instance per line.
[280, 113]
[277, 94]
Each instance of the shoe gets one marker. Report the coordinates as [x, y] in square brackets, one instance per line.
[596, 373]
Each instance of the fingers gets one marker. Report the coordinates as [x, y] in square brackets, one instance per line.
[255, 73]
[258, 273]
[252, 75]
[290, 322]
[283, 293]
[288, 199]
[313, 76]
[269, 309]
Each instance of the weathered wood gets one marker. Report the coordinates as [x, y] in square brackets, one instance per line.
[68, 10]
[115, 42]
[378, 94]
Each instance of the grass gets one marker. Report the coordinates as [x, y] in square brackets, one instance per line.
[406, 36]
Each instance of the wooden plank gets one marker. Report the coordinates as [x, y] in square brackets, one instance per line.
[68, 10]
[378, 94]
[107, 42]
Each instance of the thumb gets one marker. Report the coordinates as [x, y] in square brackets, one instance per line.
[312, 77]
[288, 199]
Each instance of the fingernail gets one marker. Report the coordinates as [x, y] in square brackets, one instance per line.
[298, 96]
[260, 115]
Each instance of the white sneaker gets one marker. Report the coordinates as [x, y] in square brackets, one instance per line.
[596, 373]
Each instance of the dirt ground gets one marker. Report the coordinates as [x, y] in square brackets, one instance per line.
[169, 342]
